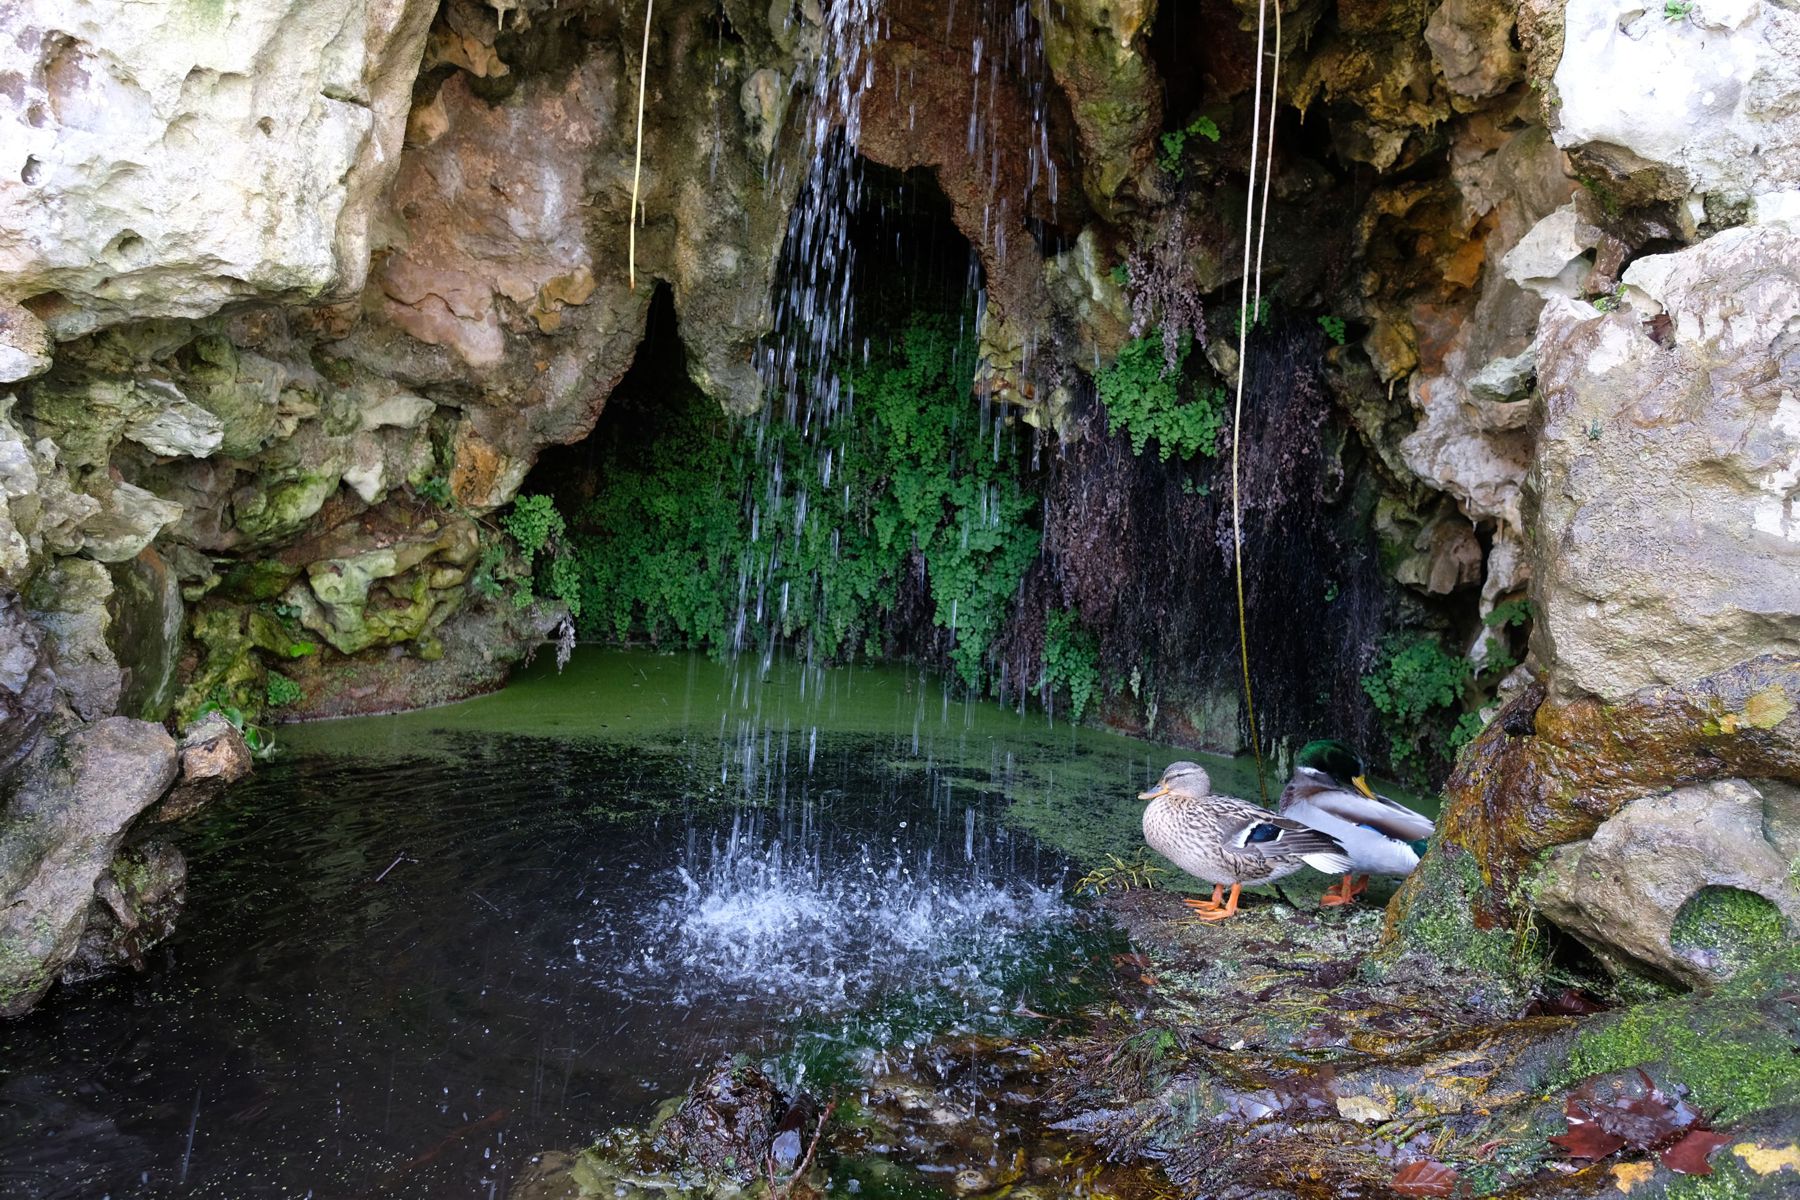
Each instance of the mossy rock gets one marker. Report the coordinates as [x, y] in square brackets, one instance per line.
[1729, 929]
[1733, 1051]
[1439, 917]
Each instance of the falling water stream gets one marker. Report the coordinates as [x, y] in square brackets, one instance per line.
[419, 948]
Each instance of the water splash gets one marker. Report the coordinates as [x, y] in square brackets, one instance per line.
[756, 916]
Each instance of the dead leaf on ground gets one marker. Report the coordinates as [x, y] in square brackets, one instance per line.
[1424, 1178]
[1689, 1156]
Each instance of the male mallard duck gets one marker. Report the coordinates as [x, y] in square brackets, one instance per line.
[1329, 792]
[1222, 839]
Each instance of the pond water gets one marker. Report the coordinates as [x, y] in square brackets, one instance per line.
[419, 948]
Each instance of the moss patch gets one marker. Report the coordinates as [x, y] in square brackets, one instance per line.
[1439, 922]
[1727, 929]
[1733, 1050]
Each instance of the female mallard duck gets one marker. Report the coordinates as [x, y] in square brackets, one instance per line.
[1329, 792]
[1222, 839]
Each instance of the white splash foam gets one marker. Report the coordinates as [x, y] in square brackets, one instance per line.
[758, 920]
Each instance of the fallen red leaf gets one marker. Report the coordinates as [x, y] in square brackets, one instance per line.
[1599, 1127]
[1587, 1140]
[1645, 1121]
[1424, 1178]
[1690, 1154]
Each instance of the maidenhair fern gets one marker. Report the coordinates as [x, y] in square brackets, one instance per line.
[690, 540]
[1143, 396]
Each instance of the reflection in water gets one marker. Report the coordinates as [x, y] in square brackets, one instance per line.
[418, 949]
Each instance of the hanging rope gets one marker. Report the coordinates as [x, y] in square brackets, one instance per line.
[1262, 222]
[637, 165]
[1251, 227]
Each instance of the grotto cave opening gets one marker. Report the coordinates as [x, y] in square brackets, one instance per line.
[871, 509]
[882, 506]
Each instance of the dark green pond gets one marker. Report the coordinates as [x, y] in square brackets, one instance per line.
[420, 948]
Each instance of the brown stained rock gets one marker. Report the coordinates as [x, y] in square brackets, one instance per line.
[1468, 443]
[481, 475]
[214, 755]
[493, 207]
[992, 192]
[1546, 772]
[1472, 44]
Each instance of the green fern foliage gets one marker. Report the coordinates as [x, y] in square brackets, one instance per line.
[1143, 396]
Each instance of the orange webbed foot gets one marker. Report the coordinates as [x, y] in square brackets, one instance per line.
[1338, 893]
[1228, 909]
[1203, 907]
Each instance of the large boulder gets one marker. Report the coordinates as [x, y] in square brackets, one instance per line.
[1666, 540]
[59, 834]
[164, 160]
[1664, 100]
[1687, 885]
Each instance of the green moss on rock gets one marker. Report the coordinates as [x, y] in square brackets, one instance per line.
[1441, 920]
[1732, 1050]
[1728, 929]
[229, 671]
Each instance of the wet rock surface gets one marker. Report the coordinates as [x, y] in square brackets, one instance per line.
[75, 799]
[213, 756]
[139, 897]
[1276, 1055]
[727, 1123]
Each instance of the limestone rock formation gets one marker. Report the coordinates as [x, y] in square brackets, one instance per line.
[1473, 389]
[1723, 116]
[1623, 890]
[166, 161]
[1666, 538]
[75, 800]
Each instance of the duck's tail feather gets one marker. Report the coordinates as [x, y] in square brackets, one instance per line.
[1330, 864]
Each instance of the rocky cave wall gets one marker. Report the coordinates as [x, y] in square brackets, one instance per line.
[292, 297]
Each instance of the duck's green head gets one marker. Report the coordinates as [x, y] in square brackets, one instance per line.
[1337, 761]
